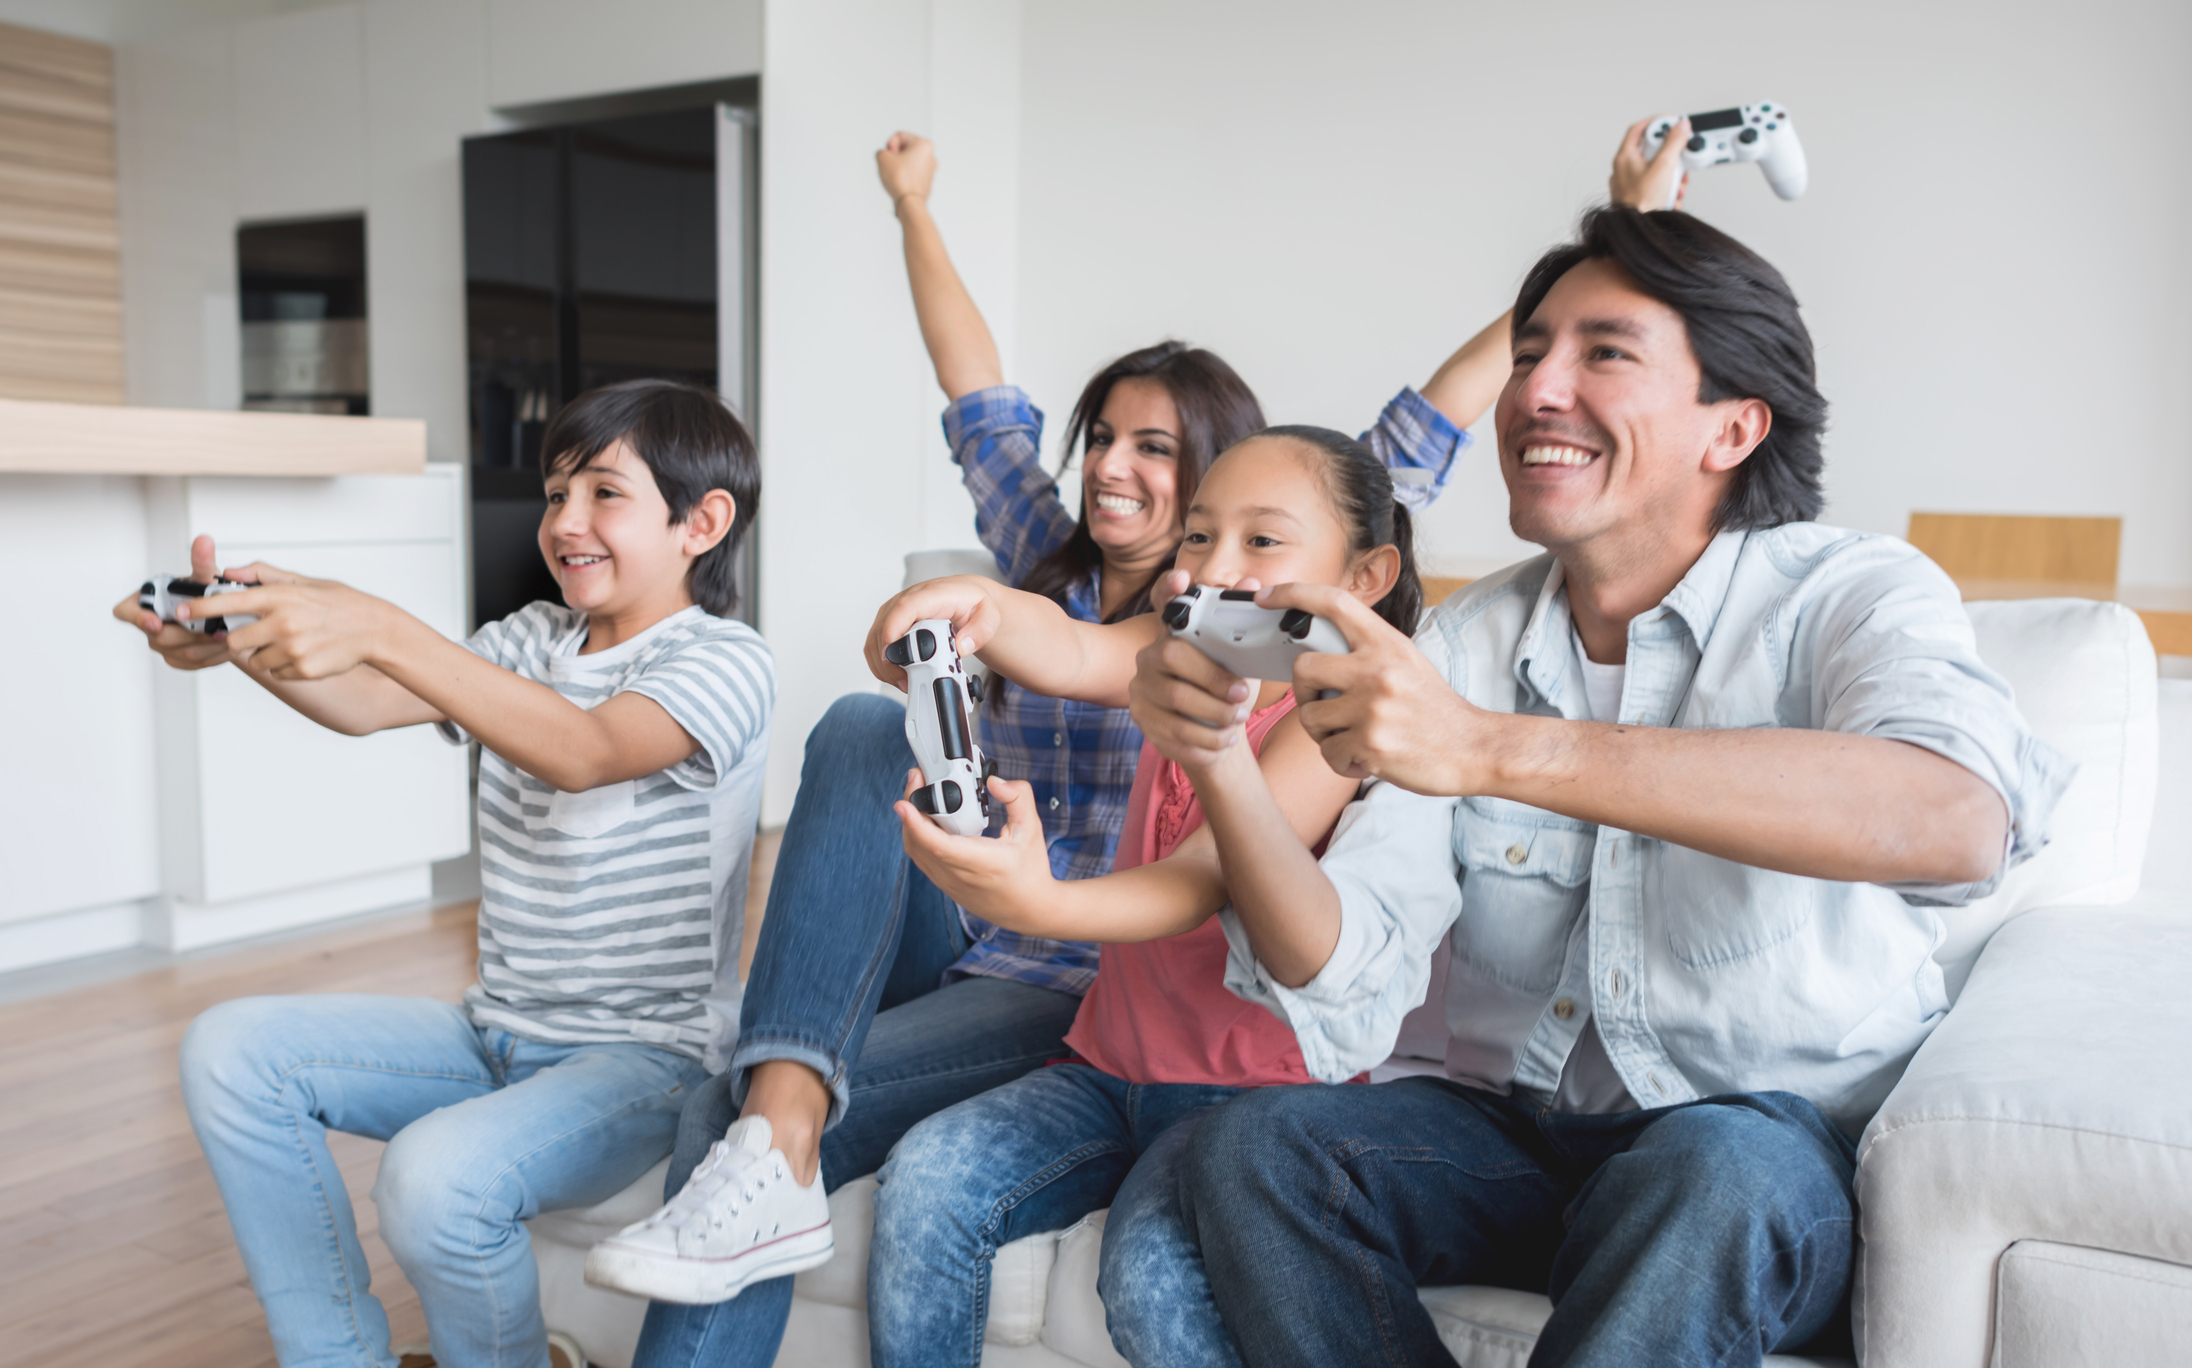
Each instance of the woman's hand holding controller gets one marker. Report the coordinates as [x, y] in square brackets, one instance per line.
[965, 599]
[1657, 183]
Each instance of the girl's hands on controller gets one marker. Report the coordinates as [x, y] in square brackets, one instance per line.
[1647, 185]
[965, 599]
[1002, 879]
[1189, 707]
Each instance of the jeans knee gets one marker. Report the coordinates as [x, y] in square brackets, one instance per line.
[225, 1051]
[917, 1184]
[1743, 1166]
[430, 1193]
[1230, 1166]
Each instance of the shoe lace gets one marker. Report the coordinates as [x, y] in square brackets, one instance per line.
[725, 1164]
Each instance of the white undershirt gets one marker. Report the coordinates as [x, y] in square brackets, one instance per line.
[1588, 1081]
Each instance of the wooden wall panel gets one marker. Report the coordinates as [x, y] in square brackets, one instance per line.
[60, 238]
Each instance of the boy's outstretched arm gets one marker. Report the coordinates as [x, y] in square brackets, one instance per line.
[959, 341]
[314, 633]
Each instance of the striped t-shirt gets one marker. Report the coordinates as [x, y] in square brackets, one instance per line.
[615, 914]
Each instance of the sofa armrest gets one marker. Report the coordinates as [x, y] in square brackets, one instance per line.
[2052, 1104]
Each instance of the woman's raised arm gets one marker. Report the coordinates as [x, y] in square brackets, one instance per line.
[959, 342]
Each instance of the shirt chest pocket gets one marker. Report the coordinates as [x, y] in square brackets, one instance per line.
[595, 812]
[1527, 875]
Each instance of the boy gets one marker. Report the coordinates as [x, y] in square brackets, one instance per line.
[623, 741]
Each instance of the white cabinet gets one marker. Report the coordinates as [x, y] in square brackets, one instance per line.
[269, 821]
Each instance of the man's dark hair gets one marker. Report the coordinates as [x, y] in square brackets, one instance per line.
[1749, 340]
[691, 442]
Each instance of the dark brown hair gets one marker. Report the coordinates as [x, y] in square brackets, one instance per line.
[1361, 490]
[1216, 409]
[1744, 328]
[691, 442]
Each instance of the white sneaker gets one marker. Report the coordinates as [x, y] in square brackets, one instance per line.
[740, 1218]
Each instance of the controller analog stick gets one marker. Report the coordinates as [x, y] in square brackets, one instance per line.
[1696, 142]
[1748, 135]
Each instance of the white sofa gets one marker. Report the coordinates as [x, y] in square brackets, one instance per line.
[2026, 1190]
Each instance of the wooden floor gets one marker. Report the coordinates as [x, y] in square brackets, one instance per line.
[114, 1250]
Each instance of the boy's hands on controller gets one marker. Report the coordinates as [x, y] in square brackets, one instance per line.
[185, 650]
[962, 598]
[1647, 185]
[1396, 718]
[985, 876]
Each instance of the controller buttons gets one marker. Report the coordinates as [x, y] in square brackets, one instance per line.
[1295, 623]
[1697, 142]
[1176, 613]
[1749, 135]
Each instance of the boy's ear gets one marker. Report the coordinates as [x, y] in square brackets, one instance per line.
[1374, 573]
[709, 522]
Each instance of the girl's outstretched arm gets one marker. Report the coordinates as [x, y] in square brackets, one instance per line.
[1025, 637]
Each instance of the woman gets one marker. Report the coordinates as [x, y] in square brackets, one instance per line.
[868, 984]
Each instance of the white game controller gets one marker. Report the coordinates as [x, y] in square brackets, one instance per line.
[940, 699]
[161, 593]
[1254, 643]
[1758, 133]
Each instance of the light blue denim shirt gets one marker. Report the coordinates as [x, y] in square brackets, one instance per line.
[1704, 976]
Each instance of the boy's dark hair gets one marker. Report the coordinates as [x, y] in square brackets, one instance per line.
[690, 440]
[1361, 490]
[1216, 409]
[1749, 340]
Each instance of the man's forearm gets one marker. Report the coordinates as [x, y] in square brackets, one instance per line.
[1820, 804]
[957, 337]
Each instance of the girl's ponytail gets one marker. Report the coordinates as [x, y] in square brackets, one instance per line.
[1362, 493]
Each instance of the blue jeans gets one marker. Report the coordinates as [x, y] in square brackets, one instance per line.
[844, 980]
[1035, 1155]
[1712, 1233]
[484, 1132]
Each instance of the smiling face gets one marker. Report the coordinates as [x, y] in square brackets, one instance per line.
[1130, 474]
[609, 541]
[1603, 443]
[1263, 513]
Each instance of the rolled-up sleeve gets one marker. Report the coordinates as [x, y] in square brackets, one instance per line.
[1392, 862]
[1418, 445]
[996, 436]
[1897, 659]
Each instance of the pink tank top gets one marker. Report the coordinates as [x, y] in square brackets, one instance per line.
[1160, 1012]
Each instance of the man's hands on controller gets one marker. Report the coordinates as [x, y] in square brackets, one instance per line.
[1395, 718]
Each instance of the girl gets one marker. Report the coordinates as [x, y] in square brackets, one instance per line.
[1158, 1038]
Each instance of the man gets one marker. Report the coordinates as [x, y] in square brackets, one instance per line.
[1682, 792]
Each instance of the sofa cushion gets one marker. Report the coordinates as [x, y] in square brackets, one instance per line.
[2083, 674]
[2060, 1304]
[2049, 1106]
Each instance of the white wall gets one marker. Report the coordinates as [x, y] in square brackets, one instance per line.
[1332, 196]
[855, 471]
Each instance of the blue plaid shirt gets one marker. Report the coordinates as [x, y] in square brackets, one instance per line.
[1078, 757]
